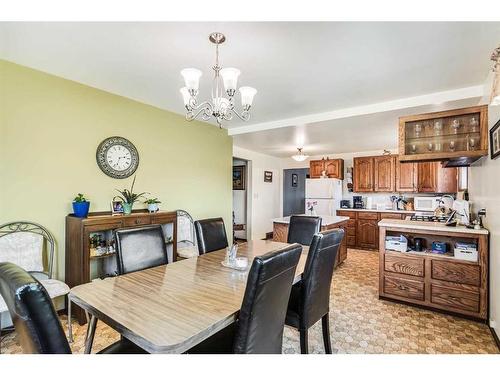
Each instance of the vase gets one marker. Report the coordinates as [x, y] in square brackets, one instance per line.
[81, 209]
[153, 207]
[127, 208]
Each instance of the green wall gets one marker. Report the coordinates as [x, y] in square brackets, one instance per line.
[49, 131]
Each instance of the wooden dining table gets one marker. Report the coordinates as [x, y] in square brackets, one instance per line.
[171, 308]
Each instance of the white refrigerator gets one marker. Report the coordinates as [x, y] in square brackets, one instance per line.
[324, 194]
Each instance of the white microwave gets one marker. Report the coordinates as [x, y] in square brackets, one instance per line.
[426, 203]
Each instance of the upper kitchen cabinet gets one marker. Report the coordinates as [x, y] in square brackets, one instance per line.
[334, 168]
[385, 170]
[406, 177]
[434, 178]
[458, 137]
[363, 174]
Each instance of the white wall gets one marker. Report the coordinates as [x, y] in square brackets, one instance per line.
[485, 193]
[265, 198]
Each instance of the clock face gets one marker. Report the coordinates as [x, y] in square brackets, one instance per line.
[117, 157]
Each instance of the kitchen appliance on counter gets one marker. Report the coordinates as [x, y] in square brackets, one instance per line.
[357, 202]
[345, 203]
[462, 208]
[428, 218]
[431, 203]
[324, 195]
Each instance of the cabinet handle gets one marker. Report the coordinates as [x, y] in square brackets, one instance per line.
[137, 221]
[402, 287]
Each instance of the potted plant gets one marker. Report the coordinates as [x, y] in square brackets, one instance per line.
[152, 204]
[81, 206]
[128, 197]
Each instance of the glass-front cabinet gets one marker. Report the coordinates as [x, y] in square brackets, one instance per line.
[458, 137]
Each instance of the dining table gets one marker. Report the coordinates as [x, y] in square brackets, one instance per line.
[173, 307]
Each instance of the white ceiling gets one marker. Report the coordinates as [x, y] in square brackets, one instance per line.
[298, 68]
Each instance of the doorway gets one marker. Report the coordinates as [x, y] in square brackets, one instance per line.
[294, 191]
[241, 187]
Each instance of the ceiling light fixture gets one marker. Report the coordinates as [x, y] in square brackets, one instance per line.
[495, 90]
[299, 156]
[220, 107]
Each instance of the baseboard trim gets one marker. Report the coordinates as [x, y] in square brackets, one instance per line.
[495, 337]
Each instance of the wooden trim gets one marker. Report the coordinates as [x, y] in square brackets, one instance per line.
[448, 113]
[495, 337]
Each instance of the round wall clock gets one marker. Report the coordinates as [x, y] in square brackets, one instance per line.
[117, 157]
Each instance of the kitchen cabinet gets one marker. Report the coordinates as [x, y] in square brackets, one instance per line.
[367, 233]
[406, 177]
[384, 173]
[363, 174]
[434, 178]
[334, 168]
[457, 137]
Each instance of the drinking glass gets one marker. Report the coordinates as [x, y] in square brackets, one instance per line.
[452, 145]
[472, 144]
[438, 147]
[473, 125]
[418, 129]
[430, 146]
[413, 148]
[455, 125]
[438, 127]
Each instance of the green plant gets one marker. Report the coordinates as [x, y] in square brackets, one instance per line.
[128, 196]
[80, 198]
[152, 201]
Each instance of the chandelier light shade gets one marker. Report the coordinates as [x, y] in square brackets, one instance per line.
[299, 156]
[224, 88]
[495, 90]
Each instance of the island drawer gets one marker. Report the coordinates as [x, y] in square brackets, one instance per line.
[397, 286]
[456, 272]
[389, 215]
[455, 299]
[368, 215]
[404, 264]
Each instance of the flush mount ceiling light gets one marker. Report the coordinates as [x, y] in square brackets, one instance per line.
[495, 90]
[219, 107]
[299, 156]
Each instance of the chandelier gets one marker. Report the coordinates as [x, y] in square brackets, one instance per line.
[495, 90]
[299, 156]
[221, 106]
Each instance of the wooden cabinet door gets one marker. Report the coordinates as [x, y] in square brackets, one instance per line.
[315, 168]
[406, 176]
[427, 177]
[367, 234]
[447, 179]
[363, 174]
[335, 168]
[384, 173]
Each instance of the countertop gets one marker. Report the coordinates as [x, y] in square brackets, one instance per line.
[375, 210]
[325, 220]
[432, 227]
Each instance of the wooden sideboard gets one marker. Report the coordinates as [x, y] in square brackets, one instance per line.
[280, 234]
[433, 280]
[82, 267]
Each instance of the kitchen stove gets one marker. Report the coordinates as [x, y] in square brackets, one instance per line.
[429, 218]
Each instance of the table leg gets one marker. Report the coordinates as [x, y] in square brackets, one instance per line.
[89, 339]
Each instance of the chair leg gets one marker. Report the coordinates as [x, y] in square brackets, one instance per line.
[325, 324]
[304, 347]
[89, 340]
[70, 326]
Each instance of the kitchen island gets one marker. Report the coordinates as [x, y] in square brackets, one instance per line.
[280, 231]
[446, 281]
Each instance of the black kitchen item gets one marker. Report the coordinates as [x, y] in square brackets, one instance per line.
[345, 203]
[357, 201]
[419, 244]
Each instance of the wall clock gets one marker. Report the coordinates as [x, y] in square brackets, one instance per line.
[117, 157]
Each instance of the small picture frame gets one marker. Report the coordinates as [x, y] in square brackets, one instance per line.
[295, 179]
[495, 141]
[116, 208]
[268, 176]
[239, 177]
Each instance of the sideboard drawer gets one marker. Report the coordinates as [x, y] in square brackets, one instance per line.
[456, 272]
[455, 299]
[404, 288]
[139, 220]
[404, 265]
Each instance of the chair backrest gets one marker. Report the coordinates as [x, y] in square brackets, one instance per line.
[317, 276]
[186, 236]
[302, 229]
[23, 243]
[263, 310]
[211, 235]
[140, 248]
[38, 328]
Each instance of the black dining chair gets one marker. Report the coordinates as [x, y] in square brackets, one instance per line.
[140, 248]
[210, 234]
[259, 327]
[310, 298]
[302, 229]
[38, 328]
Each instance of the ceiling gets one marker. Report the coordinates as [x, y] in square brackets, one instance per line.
[298, 68]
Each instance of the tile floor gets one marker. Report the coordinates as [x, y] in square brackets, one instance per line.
[360, 322]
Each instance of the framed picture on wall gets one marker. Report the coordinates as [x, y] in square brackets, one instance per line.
[495, 140]
[268, 176]
[238, 177]
[295, 179]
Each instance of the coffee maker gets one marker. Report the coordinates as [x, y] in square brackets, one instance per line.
[357, 201]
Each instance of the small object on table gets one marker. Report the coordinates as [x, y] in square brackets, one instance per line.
[439, 247]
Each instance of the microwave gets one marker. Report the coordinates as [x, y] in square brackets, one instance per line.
[426, 203]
